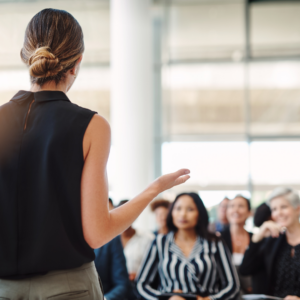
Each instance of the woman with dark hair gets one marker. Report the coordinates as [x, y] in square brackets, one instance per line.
[191, 262]
[262, 214]
[236, 237]
[53, 182]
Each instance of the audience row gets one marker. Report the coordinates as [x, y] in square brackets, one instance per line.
[188, 258]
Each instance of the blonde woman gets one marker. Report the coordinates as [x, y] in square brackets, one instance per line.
[275, 249]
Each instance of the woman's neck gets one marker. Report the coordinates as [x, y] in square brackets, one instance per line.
[49, 86]
[237, 229]
[293, 233]
[163, 230]
[186, 235]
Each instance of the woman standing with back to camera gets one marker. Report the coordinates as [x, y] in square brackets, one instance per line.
[53, 183]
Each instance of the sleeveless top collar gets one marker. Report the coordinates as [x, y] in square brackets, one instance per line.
[42, 96]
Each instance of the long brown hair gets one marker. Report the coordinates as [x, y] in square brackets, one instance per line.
[52, 45]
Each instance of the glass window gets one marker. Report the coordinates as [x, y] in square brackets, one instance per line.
[275, 163]
[204, 99]
[93, 17]
[212, 164]
[205, 30]
[274, 98]
[274, 28]
[212, 198]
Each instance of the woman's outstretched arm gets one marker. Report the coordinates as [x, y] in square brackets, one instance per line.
[100, 225]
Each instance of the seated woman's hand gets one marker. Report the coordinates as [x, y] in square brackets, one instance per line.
[176, 298]
[132, 276]
[178, 291]
[291, 298]
[268, 228]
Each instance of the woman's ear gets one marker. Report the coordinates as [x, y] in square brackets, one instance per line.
[79, 60]
[73, 70]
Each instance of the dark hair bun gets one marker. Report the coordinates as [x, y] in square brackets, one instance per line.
[43, 63]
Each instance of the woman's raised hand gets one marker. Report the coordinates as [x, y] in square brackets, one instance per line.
[168, 181]
[268, 228]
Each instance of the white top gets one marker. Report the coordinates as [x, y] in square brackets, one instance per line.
[135, 250]
[237, 258]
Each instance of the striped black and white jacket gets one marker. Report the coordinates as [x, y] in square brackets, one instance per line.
[207, 271]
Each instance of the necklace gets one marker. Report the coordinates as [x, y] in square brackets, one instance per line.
[292, 252]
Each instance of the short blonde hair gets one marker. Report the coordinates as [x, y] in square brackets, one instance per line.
[289, 194]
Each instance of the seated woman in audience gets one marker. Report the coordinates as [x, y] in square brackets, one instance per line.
[259, 280]
[110, 264]
[222, 222]
[161, 207]
[236, 237]
[276, 247]
[135, 244]
[189, 261]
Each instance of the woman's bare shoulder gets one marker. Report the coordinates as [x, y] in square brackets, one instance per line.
[98, 122]
[97, 134]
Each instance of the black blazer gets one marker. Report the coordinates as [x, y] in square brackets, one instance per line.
[259, 279]
[226, 236]
[259, 257]
[110, 263]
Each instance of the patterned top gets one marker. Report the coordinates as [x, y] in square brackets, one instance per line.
[287, 271]
[207, 271]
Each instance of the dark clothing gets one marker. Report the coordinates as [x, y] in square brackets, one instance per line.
[41, 162]
[245, 282]
[286, 267]
[111, 266]
[226, 236]
[259, 279]
[261, 257]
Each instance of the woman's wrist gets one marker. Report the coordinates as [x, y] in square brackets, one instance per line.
[151, 191]
[256, 238]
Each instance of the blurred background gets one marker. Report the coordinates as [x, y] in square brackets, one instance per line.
[210, 85]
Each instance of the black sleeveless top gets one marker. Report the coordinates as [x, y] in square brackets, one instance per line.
[41, 162]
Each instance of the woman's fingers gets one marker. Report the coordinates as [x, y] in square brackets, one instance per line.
[176, 298]
[181, 179]
[177, 291]
[181, 172]
[181, 176]
[167, 181]
[272, 229]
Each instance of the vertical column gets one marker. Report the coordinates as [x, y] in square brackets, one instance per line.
[157, 94]
[131, 97]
